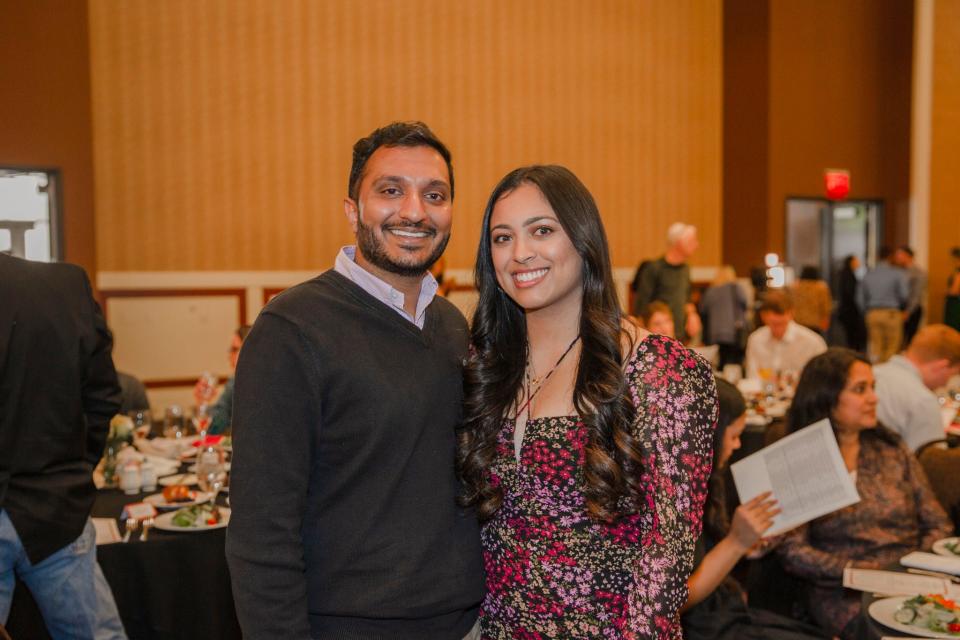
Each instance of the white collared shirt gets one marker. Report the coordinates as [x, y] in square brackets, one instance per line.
[791, 353]
[346, 265]
[905, 404]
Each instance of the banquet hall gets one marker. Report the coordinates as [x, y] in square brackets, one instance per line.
[192, 156]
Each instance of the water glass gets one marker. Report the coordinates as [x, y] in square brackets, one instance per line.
[173, 426]
[211, 469]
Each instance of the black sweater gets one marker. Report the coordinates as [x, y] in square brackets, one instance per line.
[343, 489]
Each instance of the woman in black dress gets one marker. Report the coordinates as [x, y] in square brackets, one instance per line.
[848, 312]
[716, 608]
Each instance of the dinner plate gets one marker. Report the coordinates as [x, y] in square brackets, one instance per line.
[180, 478]
[882, 611]
[165, 523]
[160, 502]
[940, 547]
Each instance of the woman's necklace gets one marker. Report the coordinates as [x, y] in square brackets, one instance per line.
[540, 382]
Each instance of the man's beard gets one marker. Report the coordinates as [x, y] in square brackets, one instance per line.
[371, 247]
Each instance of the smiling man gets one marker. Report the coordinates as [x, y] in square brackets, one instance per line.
[348, 393]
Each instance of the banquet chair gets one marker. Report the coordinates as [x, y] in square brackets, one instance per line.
[942, 466]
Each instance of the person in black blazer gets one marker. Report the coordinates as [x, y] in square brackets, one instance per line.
[58, 391]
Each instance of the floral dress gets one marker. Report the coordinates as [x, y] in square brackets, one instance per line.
[552, 571]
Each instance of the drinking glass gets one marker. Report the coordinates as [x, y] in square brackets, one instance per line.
[173, 422]
[142, 422]
[211, 469]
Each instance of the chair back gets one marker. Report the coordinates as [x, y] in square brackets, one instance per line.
[942, 466]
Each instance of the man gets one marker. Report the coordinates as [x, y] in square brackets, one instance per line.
[348, 393]
[667, 279]
[883, 293]
[781, 344]
[906, 384]
[917, 290]
[58, 391]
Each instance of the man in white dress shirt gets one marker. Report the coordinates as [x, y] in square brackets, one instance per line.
[906, 384]
[780, 345]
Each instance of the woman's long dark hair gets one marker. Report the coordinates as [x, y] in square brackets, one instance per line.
[819, 388]
[716, 519]
[494, 373]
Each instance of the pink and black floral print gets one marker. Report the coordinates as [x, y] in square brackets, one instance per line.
[552, 571]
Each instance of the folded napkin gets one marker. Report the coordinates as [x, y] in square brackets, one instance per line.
[209, 441]
[162, 447]
[931, 562]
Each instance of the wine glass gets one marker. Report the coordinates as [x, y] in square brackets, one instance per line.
[142, 422]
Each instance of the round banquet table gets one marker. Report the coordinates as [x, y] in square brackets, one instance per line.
[173, 586]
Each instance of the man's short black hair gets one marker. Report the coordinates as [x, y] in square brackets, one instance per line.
[395, 134]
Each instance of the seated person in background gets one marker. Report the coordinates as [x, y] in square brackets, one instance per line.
[897, 512]
[811, 301]
[781, 344]
[221, 413]
[133, 395]
[716, 605]
[658, 318]
[906, 384]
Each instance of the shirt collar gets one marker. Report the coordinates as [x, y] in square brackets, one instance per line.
[346, 264]
[903, 363]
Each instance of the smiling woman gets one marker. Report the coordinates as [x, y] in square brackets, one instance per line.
[589, 526]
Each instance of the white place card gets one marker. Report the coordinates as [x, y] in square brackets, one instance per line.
[931, 562]
[138, 511]
[893, 583]
[107, 530]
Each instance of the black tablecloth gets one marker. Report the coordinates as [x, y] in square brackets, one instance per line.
[173, 586]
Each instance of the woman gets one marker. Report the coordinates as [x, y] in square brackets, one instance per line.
[658, 318]
[848, 312]
[723, 309]
[897, 512]
[811, 301]
[586, 448]
[716, 606]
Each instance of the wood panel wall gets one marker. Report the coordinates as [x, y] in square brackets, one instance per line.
[810, 85]
[944, 159]
[840, 93]
[45, 119]
[223, 128]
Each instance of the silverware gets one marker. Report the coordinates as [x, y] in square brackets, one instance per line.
[132, 525]
[936, 574]
[147, 525]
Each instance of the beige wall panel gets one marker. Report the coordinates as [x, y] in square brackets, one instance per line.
[944, 161]
[223, 128]
[162, 398]
[164, 337]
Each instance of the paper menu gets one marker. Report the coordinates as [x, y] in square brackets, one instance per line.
[805, 472]
[893, 583]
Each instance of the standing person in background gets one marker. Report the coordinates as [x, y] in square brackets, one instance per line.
[667, 279]
[848, 306]
[723, 311]
[221, 413]
[884, 293]
[349, 392]
[917, 282]
[811, 301]
[951, 310]
[58, 392]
